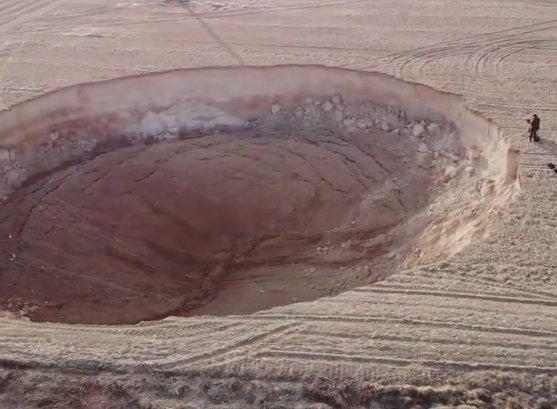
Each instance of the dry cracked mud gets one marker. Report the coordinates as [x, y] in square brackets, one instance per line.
[218, 223]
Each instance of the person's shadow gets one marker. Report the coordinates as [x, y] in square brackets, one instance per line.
[548, 146]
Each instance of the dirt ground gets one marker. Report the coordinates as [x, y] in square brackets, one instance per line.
[22, 388]
[474, 330]
[220, 224]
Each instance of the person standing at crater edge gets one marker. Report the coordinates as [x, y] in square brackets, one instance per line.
[534, 128]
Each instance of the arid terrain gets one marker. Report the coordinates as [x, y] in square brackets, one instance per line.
[251, 227]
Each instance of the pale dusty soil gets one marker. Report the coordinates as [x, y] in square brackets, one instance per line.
[484, 319]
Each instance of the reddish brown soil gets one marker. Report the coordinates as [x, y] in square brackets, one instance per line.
[146, 231]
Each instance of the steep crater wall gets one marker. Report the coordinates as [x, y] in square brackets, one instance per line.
[228, 190]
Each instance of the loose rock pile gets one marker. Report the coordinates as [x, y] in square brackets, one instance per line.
[440, 141]
[16, 309]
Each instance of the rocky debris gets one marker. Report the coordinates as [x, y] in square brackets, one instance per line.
[385, 126]
[7, 315]
[418, 130]
[310, 271]
[486, 187]
[323, 250]
[5, 155]
[53, 135]
[451, 172]
[275, 108]
[473, 153]
[334, 111]
[451, 156]
[348, 122]
[433, 129]
[17, 309]
[327, 106]
[423, 148]
[470, 170]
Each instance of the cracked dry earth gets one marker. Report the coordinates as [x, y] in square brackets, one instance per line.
[220, 224]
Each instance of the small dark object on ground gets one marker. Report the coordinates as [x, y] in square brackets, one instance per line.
[553, 167]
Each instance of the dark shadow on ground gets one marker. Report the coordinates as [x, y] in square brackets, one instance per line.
[548, 146]
[182, 3]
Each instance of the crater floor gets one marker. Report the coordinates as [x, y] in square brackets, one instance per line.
[218, 224]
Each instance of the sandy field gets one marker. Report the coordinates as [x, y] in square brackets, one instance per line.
[253, 228]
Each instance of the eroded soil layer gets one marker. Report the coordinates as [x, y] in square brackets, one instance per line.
[221, 223]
